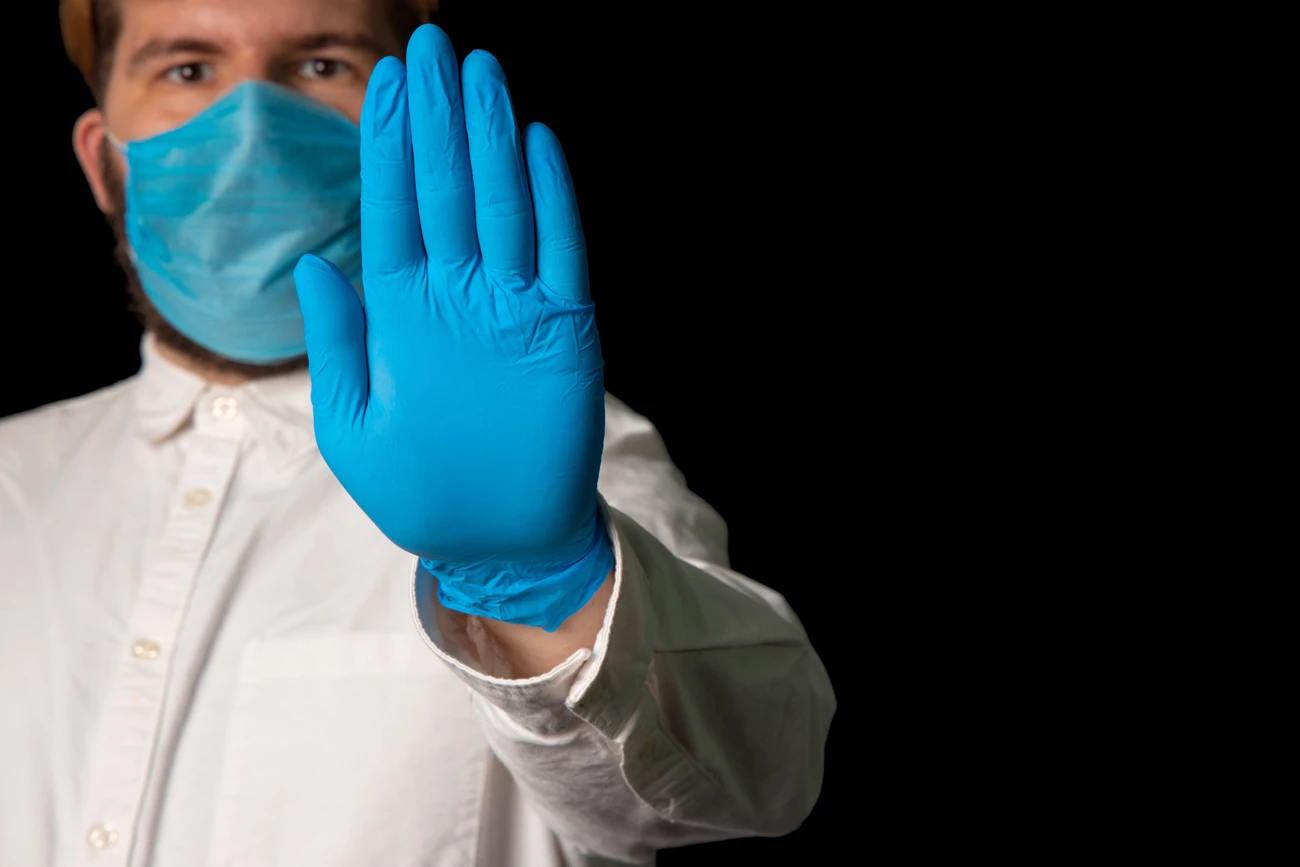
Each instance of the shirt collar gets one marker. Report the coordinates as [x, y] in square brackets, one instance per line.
[164, 394]
[277, 408]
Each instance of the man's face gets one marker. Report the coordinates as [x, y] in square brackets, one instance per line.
[174, 58]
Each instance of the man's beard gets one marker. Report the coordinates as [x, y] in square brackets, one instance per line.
[148, 314]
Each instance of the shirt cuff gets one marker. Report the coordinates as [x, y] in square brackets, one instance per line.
[602, 685]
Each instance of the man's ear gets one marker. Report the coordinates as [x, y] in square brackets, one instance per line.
[87, 139]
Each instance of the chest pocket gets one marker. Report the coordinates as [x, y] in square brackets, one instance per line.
[352, 749]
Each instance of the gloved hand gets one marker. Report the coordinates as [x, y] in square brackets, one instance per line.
[463, 407]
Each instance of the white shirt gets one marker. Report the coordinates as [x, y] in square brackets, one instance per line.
[210, 656]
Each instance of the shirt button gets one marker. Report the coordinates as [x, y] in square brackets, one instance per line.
[224, 407]
[102, 837]
[198, 498]
[145, 649]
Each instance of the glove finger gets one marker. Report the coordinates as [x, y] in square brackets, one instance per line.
[335, 330]
[561, 246]
[503, 208]
[443, 181]
[392, 251]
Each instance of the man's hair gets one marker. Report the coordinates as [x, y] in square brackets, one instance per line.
[91, 29]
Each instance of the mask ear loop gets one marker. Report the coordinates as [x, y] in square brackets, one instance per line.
[121, 148]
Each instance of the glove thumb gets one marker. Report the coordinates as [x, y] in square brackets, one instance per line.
[335, 326]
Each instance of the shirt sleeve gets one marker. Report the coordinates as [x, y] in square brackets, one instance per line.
[701, 713]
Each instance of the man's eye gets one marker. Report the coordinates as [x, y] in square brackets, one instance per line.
[319, 67]
[189, 73]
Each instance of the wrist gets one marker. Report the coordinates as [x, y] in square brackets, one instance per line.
[534, 594]
[530, 651]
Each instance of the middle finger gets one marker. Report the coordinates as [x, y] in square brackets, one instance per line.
[443, 179]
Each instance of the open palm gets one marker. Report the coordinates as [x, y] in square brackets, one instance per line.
[463, 406]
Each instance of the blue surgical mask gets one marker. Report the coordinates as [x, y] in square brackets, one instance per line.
[219, 210]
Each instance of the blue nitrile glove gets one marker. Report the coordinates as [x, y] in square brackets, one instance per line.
[463, 408]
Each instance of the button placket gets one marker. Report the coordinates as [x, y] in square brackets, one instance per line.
[133, 712]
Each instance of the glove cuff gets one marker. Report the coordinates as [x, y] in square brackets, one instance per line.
[546, 601]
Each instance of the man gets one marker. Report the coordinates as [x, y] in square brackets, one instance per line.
[435, 599]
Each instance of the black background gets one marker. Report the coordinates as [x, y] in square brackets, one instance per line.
[711, 156]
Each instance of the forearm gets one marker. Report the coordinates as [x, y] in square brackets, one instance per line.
[700, 712]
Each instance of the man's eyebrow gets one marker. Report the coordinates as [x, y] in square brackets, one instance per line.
[317, 41]
[156, 48]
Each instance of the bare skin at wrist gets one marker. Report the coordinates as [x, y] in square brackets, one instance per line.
[515, 652]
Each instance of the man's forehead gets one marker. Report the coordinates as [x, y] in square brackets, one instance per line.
[246, 22]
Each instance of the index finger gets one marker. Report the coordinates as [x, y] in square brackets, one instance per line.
[390, 221]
